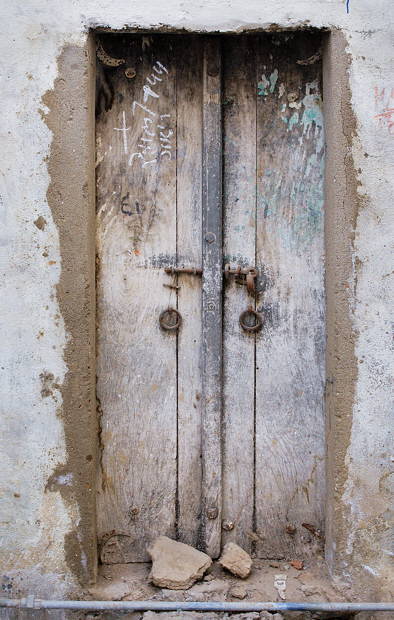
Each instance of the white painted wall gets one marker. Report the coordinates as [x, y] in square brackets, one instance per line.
[370, 486]
[32, 335]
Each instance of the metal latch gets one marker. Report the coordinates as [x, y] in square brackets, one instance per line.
[243, 275]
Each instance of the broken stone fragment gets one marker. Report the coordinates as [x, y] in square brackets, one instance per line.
[238, 592]
[176, 566]
[236, 560]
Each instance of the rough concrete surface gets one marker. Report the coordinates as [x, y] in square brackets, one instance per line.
[48, 446]
[131, 582]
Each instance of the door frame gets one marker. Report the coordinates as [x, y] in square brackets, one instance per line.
[71, 169]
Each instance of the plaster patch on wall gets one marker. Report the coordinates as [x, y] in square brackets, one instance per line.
[368, 457]
[32, 442]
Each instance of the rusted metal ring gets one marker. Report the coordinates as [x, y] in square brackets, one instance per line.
[250, 313]
[165, 320]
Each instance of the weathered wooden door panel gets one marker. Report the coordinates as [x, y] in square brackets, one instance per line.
[239, 133]
[137, 236]
[290, 348]
[189, 225]
[273, 472]
[176, 458]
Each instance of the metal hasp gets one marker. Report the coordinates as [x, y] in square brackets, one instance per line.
[212, 286]
[243, 275]
[250, 274]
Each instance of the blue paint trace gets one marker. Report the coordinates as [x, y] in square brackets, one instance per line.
[347, 6]
[267, 86]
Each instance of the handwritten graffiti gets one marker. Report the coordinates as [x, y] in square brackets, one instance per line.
[384, 107]
[155, 142]
[124, 131]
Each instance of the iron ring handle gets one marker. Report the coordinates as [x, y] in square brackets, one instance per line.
[164, 317]
[258, 320]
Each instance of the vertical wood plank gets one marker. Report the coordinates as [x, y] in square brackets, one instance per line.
[239, 201]
[290, 349]
[212, 284]
[189, 165]
[136, 228]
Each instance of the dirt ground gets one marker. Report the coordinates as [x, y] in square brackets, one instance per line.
[312, 584]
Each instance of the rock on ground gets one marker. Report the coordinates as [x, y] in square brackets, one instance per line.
[236, 560]
[238, 592]
[176, 566]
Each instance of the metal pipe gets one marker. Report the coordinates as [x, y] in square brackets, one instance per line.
[30, 602]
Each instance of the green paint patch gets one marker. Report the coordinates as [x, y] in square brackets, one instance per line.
[267, 85]
[294, 119]
[294, 210]
[313, 114]
[311, 119]
[263, 86]
[283, 110]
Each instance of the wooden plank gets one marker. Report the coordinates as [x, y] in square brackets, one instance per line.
[212, 284]
[136, 227]
[290, 349]
[189, 164]
[239, 247]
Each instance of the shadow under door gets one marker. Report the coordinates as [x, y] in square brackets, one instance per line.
[210, 154]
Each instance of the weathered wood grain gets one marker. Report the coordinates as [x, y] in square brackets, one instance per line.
[212, 284]
[239, 204]
[189, 213]
[290, 348]
[161, 395]
[137, 383]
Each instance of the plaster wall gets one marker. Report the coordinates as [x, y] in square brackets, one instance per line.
[48, 451]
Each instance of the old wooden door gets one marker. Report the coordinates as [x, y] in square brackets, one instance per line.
[210, 153]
